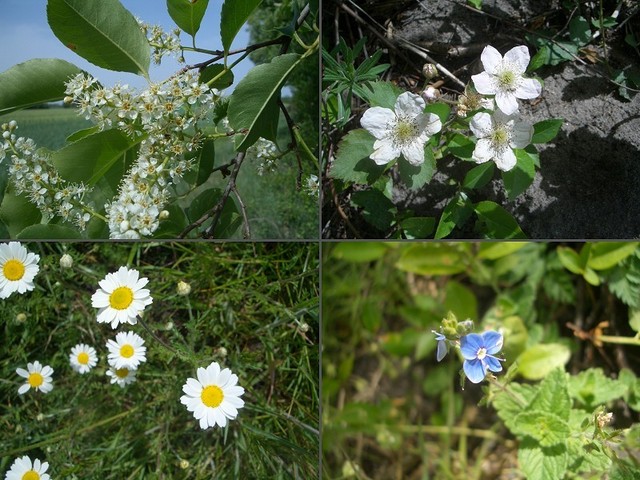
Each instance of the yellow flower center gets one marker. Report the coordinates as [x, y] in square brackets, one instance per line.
[13, 270]
[35, 380]
[121, 298]
[404, 131]
[482, 352]
[31, 475]
[212, 396]
[500, 136]
[126, 351]
[507, 79]
[83, 358]
[122, 372]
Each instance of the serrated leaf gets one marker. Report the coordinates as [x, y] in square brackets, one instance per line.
[253, 104]
[455, 214]
[352, 162]
[33, 82]
[224, 80]
[233, 16]
[540, 59]
[586, 456]
[418, 227]
[634, 319]
[381, 94]
[559, 286]
[45, 232]
[520, 177]
[605, 255]
[433, 259]
[378, 210]
[592, 388]
[553, 395]
[539, 360]
[547, 428]
[496, 222]
[104, 33]
[546, 130]
[539, 463]
[510, 403]
[417, 176]
[479, 176]
[187, 14]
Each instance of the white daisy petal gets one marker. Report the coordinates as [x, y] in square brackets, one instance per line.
[121, 297]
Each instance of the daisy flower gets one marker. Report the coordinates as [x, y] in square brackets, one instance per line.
[38, 377]
[23, 469]
[127, 351]
[402, 131]
[18, 267]
[83, 358]
[122, 376]
[503, 77]
[214, 396]
[498, 134]
[121, 297]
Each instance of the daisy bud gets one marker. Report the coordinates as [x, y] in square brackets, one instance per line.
[168, 326]
[184, 464]
[430, 71]
[183, 288]
[66, 261]
[221, 351]
[21, 318]
[304, 327]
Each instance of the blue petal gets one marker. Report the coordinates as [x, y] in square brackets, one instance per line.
[469, 346]
[492, 341]
[442, 350]
[493, 363]
[474, 370]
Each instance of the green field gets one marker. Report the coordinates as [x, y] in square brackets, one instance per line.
[275, 209]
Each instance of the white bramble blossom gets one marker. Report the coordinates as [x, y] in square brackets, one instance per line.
[402, 131]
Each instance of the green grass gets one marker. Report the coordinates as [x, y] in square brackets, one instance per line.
[249, 299]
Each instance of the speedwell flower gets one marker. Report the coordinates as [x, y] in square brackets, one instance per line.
[497, 135]
[442, 348]
[214, 397]
[127, 351]
[23, 469]
[121, 297]
[503, 77]
[122, 376]
[478, 352]
[402, 131]
[38, 377]
[83, 358]
[18, 268]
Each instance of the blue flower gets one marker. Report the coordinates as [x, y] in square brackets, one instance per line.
[478, 351]
[442, 349]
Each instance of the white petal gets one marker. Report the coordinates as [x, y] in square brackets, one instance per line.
[528, 88]
[409, 104]
[24, 388]
[484, 83]
[384, 153]
[491, 59]
[521, 134]
[484, 151]
[505, 160]
[507, 102]
[22, 372]
[203, 423]
[376, 121]
[414, 153]
[519, 58]
[481, 124]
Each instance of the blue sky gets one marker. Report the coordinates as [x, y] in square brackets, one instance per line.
[25, 34]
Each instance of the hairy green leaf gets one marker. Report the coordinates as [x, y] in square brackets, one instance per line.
[352, 162]
[540, 463]
[538, 361]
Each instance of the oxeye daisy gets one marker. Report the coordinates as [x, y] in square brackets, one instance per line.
[214, 396]
[18, 267]
[83, 358]
[127, 351]
[24, 469]
[38, 377]
[121, 297]
[122, 376]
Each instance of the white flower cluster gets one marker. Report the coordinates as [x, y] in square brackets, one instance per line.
[166, 115]
[161, 42]
[267, 152]
[312, 186]
[31, 172]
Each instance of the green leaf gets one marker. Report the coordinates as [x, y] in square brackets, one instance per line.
[546, 130]
[212, 71]
[634, 319]
[553, 395]
[17, 213]
[460, 300]
[434, 259]
[540, 463]
[174, 225]
[104, 33]
[33, 82]
[442, 110]
[455, 214]
[44, 232]
[233, 16]
[382, 94]
[461, 147]
[571, 260]
[378, 210]
[85, 132]
[229, 218]
[509, 403]
[586, 456]
[545, 427]
[93, 157]
[417, 176]
[495, 250]
[520, 177]
[352, 162]
[253, 104]
[418, 227]
[538, 361]
[204, 159]
[187, 14]
[605, 255]
[359, 251]
[540, 59]
[496, 222]
[592, 388]
[579, 31]
[479, 176]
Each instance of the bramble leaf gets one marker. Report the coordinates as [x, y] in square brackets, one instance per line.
[496, 222]
[352, 162]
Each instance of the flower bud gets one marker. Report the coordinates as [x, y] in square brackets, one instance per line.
[21, 318]
[430, 94]
[13, 125]
[67, 99]
[183, 288]
[6, 135]
[66, 261]
[221, 351]
[168, 326]
[164, 214]
[184, 464]
[430, 71]
[304, 327]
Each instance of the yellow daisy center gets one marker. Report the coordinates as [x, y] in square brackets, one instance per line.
[31, 475]
[122, 372]
[212, 396]
[35, 380]
[13, 269]
[126, 351]
[121, 298]
[83, 358]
